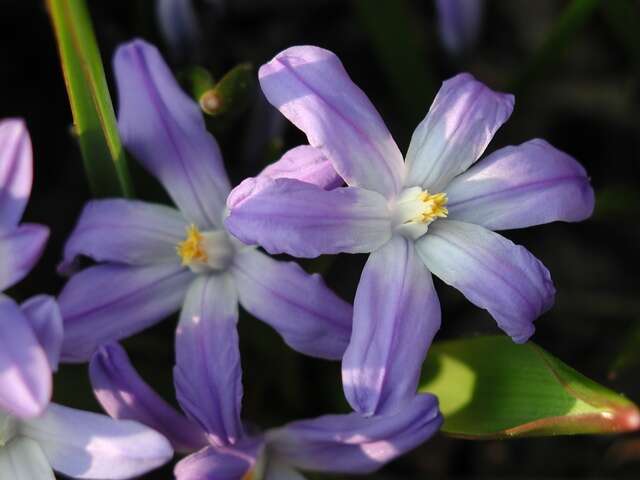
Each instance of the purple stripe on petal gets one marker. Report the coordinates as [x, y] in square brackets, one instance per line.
[520, 186]
[124, 395]
[460, 124]
[109, 302]
[310, 86]
[491, 271]
[220, 463]
[126, 231]
[20, 250]
[16, 171]
[164, 129]
[303, 220]
[396, 315]
[309, 316]
[208, 375]
[88, 445]
[25, 374]
[43, 314]
[459, 23]
[353, 443]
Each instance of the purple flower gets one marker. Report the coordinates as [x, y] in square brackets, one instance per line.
[75, 443]
[25, 375]
[209, 389]
[431, 210]
[459, 23]
[151, 257]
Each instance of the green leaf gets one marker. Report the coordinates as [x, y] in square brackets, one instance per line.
[490, 387]
[232, 94]
[93, 116]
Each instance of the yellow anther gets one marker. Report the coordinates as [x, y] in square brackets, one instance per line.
[248, 475]
[434, 206]
[191, 250]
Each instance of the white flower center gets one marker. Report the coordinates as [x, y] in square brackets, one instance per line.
[8, 428]
[205, 251]
[415, 209]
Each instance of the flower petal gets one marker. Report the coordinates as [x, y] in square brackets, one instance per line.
[20, 250]
[310, 86]
[43, 314]
[124, 395]
[16, 171]
[396, 315]
[126, 231]
[491, 271]
[164, 129]
[353, 443]
[109, 302]
[306, 164]
[23, 459]
[88, 445]
[303, 220]
[25, 375]
[459, 23]
[516, 187]
[460, 124]
[208, 375]
[222, 463]
[309, 316]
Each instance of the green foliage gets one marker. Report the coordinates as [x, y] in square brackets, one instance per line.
[232, 94]
[490, 387]
[93, 116]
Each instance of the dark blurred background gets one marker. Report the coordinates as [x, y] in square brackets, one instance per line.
[581, 93]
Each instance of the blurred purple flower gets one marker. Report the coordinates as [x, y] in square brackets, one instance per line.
[459, 23]
[75, 443]
[397, 211]
[209, 389]
[140, 278]
[179, 26]
[25, 375]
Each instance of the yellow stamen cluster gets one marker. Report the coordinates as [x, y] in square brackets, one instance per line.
[434, 206]
[248, 475]
[191, 250]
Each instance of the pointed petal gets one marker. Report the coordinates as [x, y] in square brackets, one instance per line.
[164, 129]
[126, 231]
[208, 375]
[516, 187]
[491, 271]
[310, 86]
[109, 302]
[23, 459]
[88, 445]
[16, 171]
[303, 220]
[396, 315]
[353, 443]
[124, 395]
[460, 124]
[25, 375]
[43, 314]
[223, 463]
[309, 316]
[20, 250]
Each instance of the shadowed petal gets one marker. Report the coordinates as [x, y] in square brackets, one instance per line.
[20, 250]
[310, 86]
[43, 313]
[353, 443]
[109, 302]
[306, 164]
[491, 271]
[124, 395]
[223, 463]
[520, 186]
[87, 445]
[396, 315]
[126, 231]
[459, 23]
[16, 171]
[25, 375]
[309, 316]
[164, 129]
[23, 459]
[460, 124]
[208, 375]
[303, 220]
